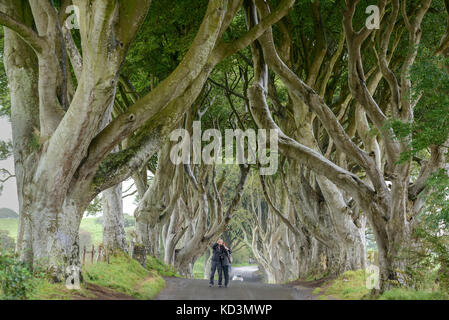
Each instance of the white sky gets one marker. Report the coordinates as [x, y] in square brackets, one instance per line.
[8, 198]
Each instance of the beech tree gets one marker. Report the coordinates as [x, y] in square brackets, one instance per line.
[361, 116]
[62, 161]
[391, 210]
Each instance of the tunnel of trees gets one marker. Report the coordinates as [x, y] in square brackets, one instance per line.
[361, 113]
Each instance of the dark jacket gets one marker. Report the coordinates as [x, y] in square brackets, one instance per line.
[220, 254]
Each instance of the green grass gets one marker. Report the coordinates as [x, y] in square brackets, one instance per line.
[351, 285]
[316, 290]
[10, 225]
[404, 294]
[95, 230]
[198, 268]
[161, 268]
[88, 224]
[315, 276]
[122, 274]
[125, 275]
[43, 289]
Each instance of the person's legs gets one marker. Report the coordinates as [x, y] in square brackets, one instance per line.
[220, 273]
[212, 272]
[226, 275]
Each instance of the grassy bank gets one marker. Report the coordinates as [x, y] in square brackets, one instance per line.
[125, 275]
[10, 225]
[351, 285]
[122, 278]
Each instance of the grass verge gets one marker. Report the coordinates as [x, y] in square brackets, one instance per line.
[351, 285]
[125, 275]
[154, 264]
[43, 289]
[404, 294]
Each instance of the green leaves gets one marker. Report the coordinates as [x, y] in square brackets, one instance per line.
[5, 105]
[5, 150]
[94, 207]
[431, 82]
[437, 213]
[15, 278]
[162, 41]
[430, 125]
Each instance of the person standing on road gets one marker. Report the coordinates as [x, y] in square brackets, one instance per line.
[220, 262]
[227, 264]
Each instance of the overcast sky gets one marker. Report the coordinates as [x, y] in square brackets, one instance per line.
[8, 198]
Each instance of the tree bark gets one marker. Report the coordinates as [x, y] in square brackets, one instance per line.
[114, 236]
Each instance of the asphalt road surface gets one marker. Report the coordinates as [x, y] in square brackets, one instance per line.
[196, 289]
[249, 273]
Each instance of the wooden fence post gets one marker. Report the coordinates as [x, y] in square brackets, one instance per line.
[84, 254]
[99, 253]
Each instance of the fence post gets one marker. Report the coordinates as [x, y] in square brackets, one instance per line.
[84, 254]
[99, 253]
[131, 249]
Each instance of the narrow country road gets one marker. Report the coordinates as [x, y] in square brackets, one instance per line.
[249, 289]
[249, 273]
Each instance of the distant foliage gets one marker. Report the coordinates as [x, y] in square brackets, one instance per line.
[99, 220]
[85, 239]
[129, 221]
[8, 213]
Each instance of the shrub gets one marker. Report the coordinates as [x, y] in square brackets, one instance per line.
[15, 278]
[428, 261]
[7, 243]
[404, 294]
